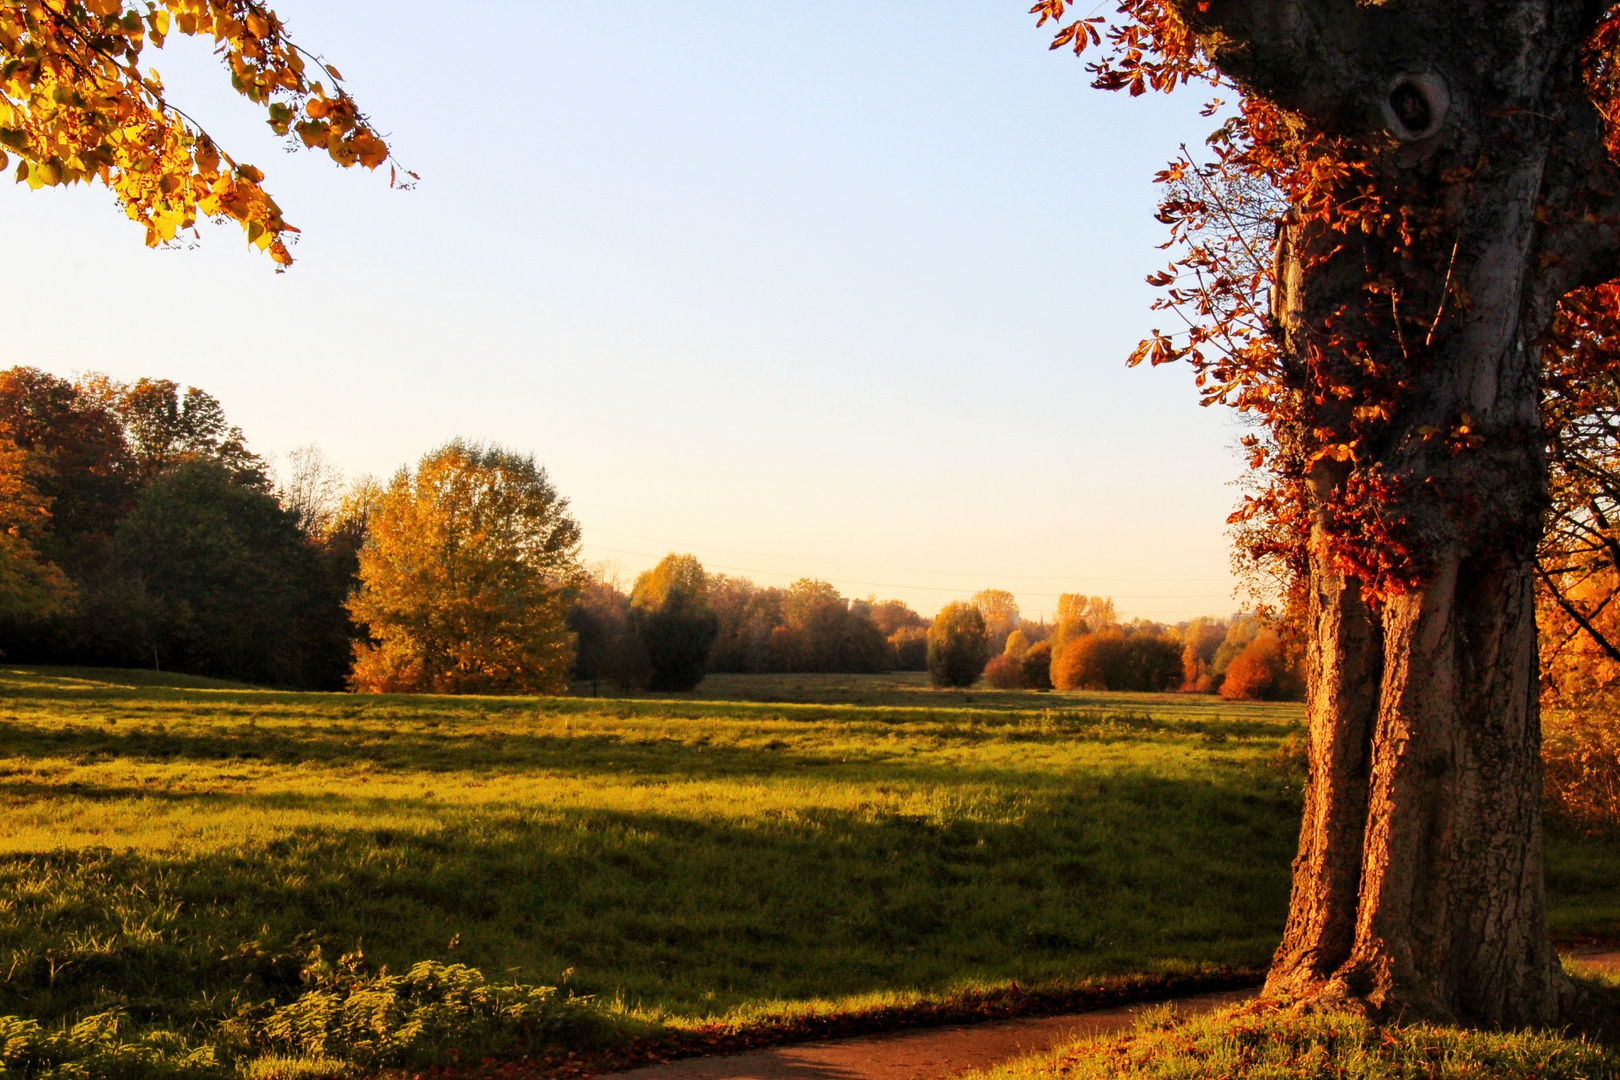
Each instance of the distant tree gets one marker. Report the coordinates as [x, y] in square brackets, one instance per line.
[1084, 662]
[1005, 672]
[909, 648]
[31, 587]
[165, 427]
[606, 645]
[670, 610]
[746, 614]
[1079, 614]
[1242, 630]
[1112, 659]
[213, 577]
[1262, 671]
[1200, 640]
[821, 631]
[1000, 610]
[1038, 666]
[78, 459]
[464, 578]
[1150, 663]
[890, 616]
[1017, 644]
[312, 487]
[958, 645]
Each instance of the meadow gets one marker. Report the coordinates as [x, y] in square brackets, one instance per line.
[189, 862]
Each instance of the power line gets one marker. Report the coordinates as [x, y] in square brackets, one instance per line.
[892, 585]
[675, 546]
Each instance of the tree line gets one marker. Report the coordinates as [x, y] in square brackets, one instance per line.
[138, 529]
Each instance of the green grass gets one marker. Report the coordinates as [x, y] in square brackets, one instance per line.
[176, 853]
[1267, 1042]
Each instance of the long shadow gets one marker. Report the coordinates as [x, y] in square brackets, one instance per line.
[686, 755]
[990, 709]
[695, 914]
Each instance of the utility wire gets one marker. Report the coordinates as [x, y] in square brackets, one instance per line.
[892, 585]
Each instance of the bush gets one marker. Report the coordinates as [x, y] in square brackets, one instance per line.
[958, 645]
[1260, 672]
[431, 1014]
[102, 1045]
[1005, 672]
[1038, 666]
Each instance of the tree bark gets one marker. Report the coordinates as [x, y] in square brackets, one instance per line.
[1418, 886]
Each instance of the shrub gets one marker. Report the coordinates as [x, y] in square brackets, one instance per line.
[958, 645]
[102, 1045]
[1038, 666]
[1260, 672]
[431, 1014]
[1005, 672]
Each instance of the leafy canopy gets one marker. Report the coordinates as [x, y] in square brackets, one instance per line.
[75, 106]
[464, 576]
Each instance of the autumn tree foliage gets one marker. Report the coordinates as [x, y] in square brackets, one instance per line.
[1443, 188]
[30, 585]
[78, 105]
[1037, 666]
[173, 550]
[464, 578]
[1000, 610]
[958, 645]
[669, 608]
[1005, 672]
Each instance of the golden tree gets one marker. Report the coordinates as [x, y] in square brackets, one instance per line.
[464, 578]
[75, 106]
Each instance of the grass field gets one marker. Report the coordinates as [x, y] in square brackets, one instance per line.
[176, 851]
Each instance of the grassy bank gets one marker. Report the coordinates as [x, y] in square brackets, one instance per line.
[191, 858]
[1265, 1042]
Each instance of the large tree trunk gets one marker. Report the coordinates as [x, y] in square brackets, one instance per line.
[1418, 886]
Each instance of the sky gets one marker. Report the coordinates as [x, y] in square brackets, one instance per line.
[842, 290]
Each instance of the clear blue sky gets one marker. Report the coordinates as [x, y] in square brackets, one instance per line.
[838, 290]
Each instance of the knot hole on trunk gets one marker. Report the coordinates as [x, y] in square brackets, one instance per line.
[1415, 106]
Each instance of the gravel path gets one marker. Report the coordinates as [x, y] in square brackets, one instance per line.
[938, 1053]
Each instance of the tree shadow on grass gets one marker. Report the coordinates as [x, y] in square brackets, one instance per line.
[696, 915]
[665, 755]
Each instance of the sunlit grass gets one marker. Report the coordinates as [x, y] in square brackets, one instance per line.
[1261, 1041]
[178, 852]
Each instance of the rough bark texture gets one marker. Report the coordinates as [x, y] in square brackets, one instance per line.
[1418, 886]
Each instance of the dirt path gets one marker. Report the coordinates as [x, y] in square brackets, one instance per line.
[930, 1054]
[938, 1053]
